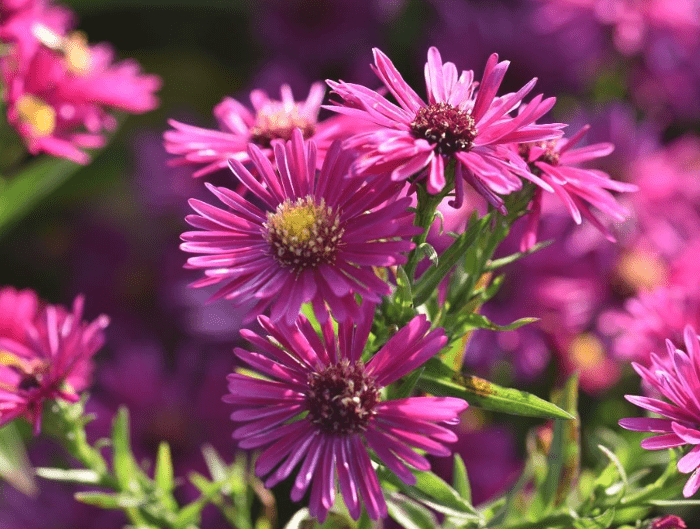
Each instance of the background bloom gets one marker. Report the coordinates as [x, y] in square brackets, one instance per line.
[314, 238]
[326, 378]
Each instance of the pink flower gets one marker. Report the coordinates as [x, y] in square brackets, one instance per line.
[271, 120]
[18, 308]
[313, 238]
[59, 89]
[54, 361]
[677, 378]
[321, 408]
[670, 521]
[554, 161]
[457, 123]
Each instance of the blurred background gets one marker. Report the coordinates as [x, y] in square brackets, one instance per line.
[630, 69]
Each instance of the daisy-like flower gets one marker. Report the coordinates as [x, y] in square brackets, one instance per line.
[58, 92]
[677, 378]
[321, 408]
[458, 122]
[313, 238]
[271, 120]
[53, 361]
[554, 161]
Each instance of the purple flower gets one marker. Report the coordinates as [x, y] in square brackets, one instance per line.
[457, 123]
[555, 161]
[55, 361]
[677, 378]
[321, 408]
[316, 239]
[669, 521]
[271, 120]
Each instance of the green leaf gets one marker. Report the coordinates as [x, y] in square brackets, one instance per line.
[126, 469]
[498, 263]
[15, 467]
[410, 514]
[73, 475]
[439, 379]
[28, 188]
[473, 320]
[106, 500]
[217, 466]
[602, 521]
[434, 492]
[164, 468]
[406, 387]
[460, 480]
[615, 461]
[428, 250]
[675, 503]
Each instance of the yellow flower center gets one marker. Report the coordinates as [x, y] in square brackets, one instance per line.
[276, 122]
[303, 233]
[586, 351]
[37, 114]
[77, 52]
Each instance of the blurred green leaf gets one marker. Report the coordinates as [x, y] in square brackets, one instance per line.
[126, 469]
[460, 480]
[410, 514]
[473, 320]
[602, 521]
[106, 500]
[164, 468]
[25, 190]
[438, 379]
[73, 475]
[15, 467]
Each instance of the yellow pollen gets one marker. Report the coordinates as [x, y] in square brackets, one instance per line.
[77, 52]
[586, 351]
[296, 220]
[10, 360]
[37, 114]
[642, 270]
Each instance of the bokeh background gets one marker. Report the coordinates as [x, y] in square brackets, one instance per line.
[112, 230]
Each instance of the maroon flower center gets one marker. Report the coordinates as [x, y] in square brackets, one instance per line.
[275, 121]
[303, 234]
[342, 398]
[448, 128]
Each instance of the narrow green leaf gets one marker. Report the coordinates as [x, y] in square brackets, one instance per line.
[126, 469]
[217, 467]
[498, 263]
[73, 475]
[428, 250]
[434, 492]
[26, 189]
[618, 465]
[406, 387]
[15, 467]
[106, 500]
[602, 521]
[675, 503]
[460, 480]
[410, 514]
[474, 320]
[164, 468]
[439, 379]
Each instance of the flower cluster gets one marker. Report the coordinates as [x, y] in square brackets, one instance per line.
[45, 353]
[58, 88]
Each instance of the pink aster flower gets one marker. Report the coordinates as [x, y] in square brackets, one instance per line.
[59, 94]
[314, 238]
[555, 161]
[54, 361]
[238, 126]
[459, 122]
[18, 308]
[321, 408]
[677, 378]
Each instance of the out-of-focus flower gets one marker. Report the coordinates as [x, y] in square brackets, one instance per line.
[18, 308]
[670, 521]
[339, 395]
[555, 162]
[458, 123]
[677, 378]
[58, 88]
[55, 361]
[271, 120]
[315, 238]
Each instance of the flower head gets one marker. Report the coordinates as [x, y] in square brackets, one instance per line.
[677, 378]
[59, 88]
[321, 408]
[54, 361]
[458, 122]
[314, 238]
[554, 161]
[271, 120]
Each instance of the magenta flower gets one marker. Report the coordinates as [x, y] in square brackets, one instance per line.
[54, 361]
[321, 408]
[59, 90]
[314, 238]
[271, 120]
[18, 308]
[554, 161]
[677, 378]
[459, 122]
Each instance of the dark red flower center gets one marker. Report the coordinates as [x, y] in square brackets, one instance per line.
[275, 121]
[303, 234]
[342, 398]
[448, 128]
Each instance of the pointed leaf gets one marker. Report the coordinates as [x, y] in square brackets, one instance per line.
[410, 514]
[73, 475]
[126, 469]
[15, 467]
[602, 521]
[438, 379]
[108, 500]
[164, 468]
[428, 251]
[460, 480]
